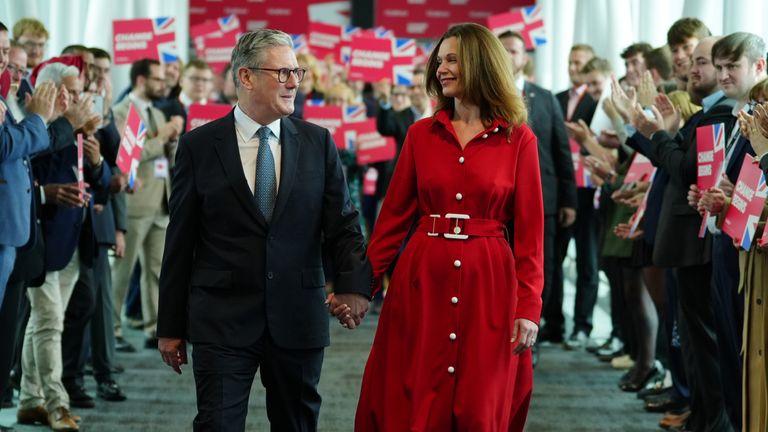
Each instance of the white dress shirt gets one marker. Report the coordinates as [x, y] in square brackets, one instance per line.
[248, 144]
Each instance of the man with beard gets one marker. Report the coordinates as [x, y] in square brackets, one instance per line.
[147, 206]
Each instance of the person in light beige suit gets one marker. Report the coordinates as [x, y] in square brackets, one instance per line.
[147, 206]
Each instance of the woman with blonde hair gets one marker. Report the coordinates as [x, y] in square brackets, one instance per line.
[451, 351]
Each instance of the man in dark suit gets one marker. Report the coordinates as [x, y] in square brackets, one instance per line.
[242, 277]
[575, 104]
[557, 178]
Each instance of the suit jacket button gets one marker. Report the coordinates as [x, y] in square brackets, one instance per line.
[270, 275]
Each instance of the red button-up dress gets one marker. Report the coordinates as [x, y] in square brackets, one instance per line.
[442, 359]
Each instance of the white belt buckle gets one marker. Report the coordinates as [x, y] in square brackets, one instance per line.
[456, 235]
[432, 233]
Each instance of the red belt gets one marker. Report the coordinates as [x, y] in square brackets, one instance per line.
[459, 226]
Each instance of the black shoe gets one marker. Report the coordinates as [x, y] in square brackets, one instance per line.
[151, 343]
[663, 403]
[123, 345]
[79, 398]
[652, 376]
[654, 392]
[110, 391]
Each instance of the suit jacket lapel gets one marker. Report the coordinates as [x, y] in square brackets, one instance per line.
[229, 155]
[290, 157]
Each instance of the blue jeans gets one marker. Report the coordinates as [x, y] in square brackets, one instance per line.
[7, 258]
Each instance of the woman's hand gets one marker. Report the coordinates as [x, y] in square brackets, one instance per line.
[524, 334]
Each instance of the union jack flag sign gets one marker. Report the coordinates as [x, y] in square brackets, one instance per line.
[528, 21]
[136, 39]
[132, 143]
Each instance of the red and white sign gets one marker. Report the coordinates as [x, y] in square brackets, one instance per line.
[369, 181]
[634, 221]
[199, 114]
[710, 153]
[214, 41]
[80, 177]
[747, 202]
[137, 39]
[370, 59]
[639, 170]
[370, 146]
[289, 16]
[528, 21]
[129, 154]
[329, 117]
[431, 18]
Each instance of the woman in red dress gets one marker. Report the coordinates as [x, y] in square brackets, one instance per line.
[451, 351]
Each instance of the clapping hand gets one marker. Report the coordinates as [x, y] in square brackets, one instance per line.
[646, 90]
[669, 113]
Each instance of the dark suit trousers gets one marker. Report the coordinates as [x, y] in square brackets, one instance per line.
[76, 318]
[585, 232]
[550, 263]
[696, 297]
[729, 317]
[10, 312]
[675, 363]
[224, 375]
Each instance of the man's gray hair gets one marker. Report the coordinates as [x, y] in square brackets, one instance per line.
[249, 51]
[56, 72]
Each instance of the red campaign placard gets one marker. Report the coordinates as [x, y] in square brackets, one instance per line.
[634, 221]
[132, 143]
[431, 18]
[582, 173]
[370, 59]
[710, 153]
[329, 117]
[217, 52]
[528, 21]
[370, 146]
[325, 40]
[199, 114]
[639, 170]
[136, 39]
[747, 202]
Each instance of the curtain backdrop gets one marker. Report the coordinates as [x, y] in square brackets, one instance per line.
[607, 25]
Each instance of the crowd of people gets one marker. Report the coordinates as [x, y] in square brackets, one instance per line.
[483, 155]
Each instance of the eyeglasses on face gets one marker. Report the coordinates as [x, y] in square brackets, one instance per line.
[284, 73]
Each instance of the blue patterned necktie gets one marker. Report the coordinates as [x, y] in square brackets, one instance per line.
[266, 180]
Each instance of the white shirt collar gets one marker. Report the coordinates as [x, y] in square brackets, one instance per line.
[520, 83]
[248, 127]
[141, 104]
[186, 101]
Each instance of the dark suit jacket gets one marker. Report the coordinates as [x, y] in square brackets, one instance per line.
[585, 109]
[393, 124]
[677, 242]
[228, 275]
[546, 121]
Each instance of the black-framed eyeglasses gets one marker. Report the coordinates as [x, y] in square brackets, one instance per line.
[284, 73]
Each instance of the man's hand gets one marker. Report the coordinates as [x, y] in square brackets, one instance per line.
[79, 113]
[117, 183]
[725, 185]
[669, 113]
[566, 216]
[599, 167]
[712, 200]
[755, 135]
[646, 126]
[579, 131]
[66, 195]
[524, 334]
[622, 231]
[91, 150]
[608, 138]
[43, 101]
[623, 103]
[350, 309]
[174, 352]
[119, 246]
[694, 195]
[63, 101]
[646, 90]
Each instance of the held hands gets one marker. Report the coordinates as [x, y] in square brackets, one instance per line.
[66, 195]
[349, 309]
[173, 352]
[524, 334]
[712, 200]
[622, 231]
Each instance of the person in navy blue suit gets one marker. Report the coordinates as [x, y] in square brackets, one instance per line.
[17, 143]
